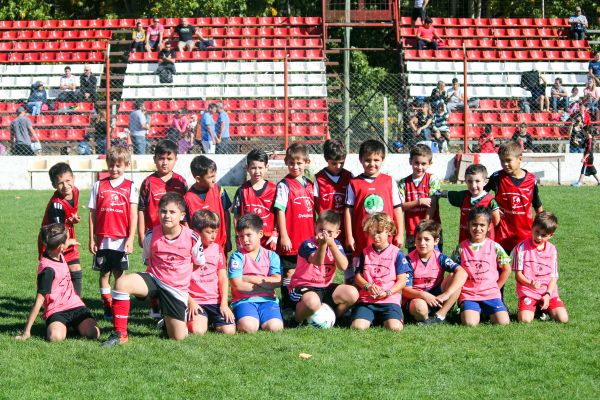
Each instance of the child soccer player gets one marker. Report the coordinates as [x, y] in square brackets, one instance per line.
[476, 178]
[209, 286]
[170, 251]
[418, 193]
[516, 192]
[536, 263]
[588, 168]
[254, 273]
[428, 296]
[63, 308]
[257, 196]
[206, 194]
[62, 209]
[294, 203]
[113, 219]
[482, 259]
[369, 193]
[381, 274]
[318, 258]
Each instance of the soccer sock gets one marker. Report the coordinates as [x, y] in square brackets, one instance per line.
[77, 279]
[440, 317]
[106, 297]
[285, 293]
[120, 307]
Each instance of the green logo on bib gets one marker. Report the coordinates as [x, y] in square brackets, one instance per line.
[373, 204]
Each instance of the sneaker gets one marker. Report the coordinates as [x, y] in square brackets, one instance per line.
[115, 339]
[108, 314]
[577, 184]
[544, 317]
[435, 320]
[155, 314]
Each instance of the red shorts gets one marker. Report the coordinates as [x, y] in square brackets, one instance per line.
[529, 304]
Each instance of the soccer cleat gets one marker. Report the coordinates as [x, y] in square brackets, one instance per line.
[154, 314]
[115, 339]
[108, 314]
[576, 184]
[435, 320]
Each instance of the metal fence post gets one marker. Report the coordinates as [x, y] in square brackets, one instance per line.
[386, 132]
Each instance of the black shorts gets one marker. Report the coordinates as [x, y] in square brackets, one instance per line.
[71, 318]
[288, 262]
[325, 294]
[377, 313]
[110, 260]
[418, 12]
[588, 170]
[169, 304]
[436, 291]
[213, 313]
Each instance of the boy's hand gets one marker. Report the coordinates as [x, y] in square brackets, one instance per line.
[129, 246]
[24, 336]
[350, 244]
[442, 298]
[375, 291]
[286, 243]
[227, 313]
[425, 201]
[546, 302]
[431, 300]
[330, 241]
[536, 284]
[272, 242]
[194, 309]
[321, 238]
[398, 241]
[93, 247]
[72, 242]
[73, 219]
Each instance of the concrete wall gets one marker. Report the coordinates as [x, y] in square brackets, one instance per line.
[15, 171]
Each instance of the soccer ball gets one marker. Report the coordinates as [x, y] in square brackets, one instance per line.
[324, 318]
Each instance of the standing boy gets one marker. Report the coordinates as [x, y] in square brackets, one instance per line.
[418, 193]
[62, 209]
[113, 219]
[206, 194]
[257, 196]
[516, 192]
[588, 168]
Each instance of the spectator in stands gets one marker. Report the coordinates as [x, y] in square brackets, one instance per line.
[558, 95]
[437, 97]
[419, 11]
[486, 141]
[523, 137]
[420, 125]
[440, 90]
[138, 37]
[22, 134]
[456, 97]
[138, 128]
[68, 87]
[222, 131]
[591, 94]
[426, 36]
[154, 36]
[99, 126]
[538, 95]
[574, 103]
[440, 129]
[594, 68]
[576, 135]
[207, 126]
[87, 85]
[166, 60]
[579, 24]
[178, 127]
[185, 32]
[37, 98]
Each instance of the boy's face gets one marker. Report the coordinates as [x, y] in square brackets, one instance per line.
[379, 239]
[327, 229]
[478, 229]
[170, 216]
[208, 236]
[334, 167]
[419, 165]
[249, 239]
[257, 171]
[425, 244]
[297, 165]
[117, 169]
[511, 164]
[372, 163]
[207, 181]
[475, 184]
[540, 236]
[64, 184]
[165, 163]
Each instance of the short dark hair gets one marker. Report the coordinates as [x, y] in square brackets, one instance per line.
[172, 197]
[331, 217]
[139, 104]
[57, 170]
[53, 235]
[257, 155]
[165, 146]
[420, 150]
[67, 68]
[369, 147]
[546, 221]
[294, 150]
[429, 225]
[477, 169]
[479, 211]
[202, 165]
[249, 221]
[510, 148]
[334, 150]
[205, 219]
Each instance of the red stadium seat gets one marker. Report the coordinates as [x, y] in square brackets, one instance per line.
[265, 31]
[298, 117]
[540, 117]
[299, 130]
[278, 130]
[4, 134]
[249, 31]
[264, 118]
[278, 118]
[278, 104]
[317, 104]
[317, 130]
[317, 117]
[523, 117]
[231, 104]
[299, 104]
[281, 31]
[264, 130]
[245, 130]
[456, 118]
[507, 118]
[266, 104]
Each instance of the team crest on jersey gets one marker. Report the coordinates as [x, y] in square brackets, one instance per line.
[517, 200]
[539, 269]
[338, 199]
[259, 210]
[373, 204]
[306, 200]
[527, 301]
[481, 267]
[379, 271]
[116, 200]
[235, 265]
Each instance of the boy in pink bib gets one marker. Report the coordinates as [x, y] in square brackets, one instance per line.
[536, 264]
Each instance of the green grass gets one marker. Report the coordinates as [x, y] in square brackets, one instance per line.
[544, 360]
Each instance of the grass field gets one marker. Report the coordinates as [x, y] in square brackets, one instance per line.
[544, 360]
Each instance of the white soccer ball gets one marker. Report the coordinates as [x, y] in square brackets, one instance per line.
[324, 318]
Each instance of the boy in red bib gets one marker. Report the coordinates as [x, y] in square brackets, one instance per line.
[257, 196]
[62, 209]
[516, 193]
[170, 251]
[536, 263]
[418, 193]
[294, 202]
[63, 308]
[476, 178]
[206, 194]
[113, 220]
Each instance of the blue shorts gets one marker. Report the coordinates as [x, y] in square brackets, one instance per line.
[488, 307]
[377, 312]
[212, 312]
[263, 311]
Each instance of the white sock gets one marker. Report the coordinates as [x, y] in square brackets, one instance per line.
[440, 317]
